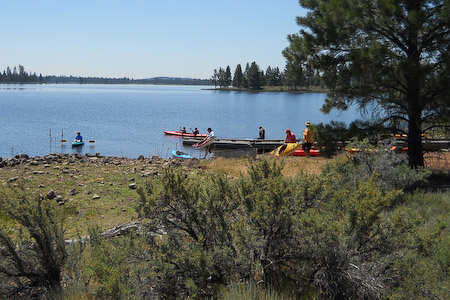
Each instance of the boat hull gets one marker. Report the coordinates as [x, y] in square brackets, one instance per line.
[285, 149]
[179, 154]
[187, 134]
[301, 152]
[77, 144]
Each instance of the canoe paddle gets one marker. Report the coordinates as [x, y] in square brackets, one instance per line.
[63, 141]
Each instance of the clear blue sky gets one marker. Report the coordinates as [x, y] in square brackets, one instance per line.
[144, 38]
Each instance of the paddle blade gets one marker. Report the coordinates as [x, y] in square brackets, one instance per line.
[91, 141]
[63, 141]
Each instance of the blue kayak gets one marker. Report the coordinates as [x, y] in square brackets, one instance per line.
[179, 154]
[77, 144]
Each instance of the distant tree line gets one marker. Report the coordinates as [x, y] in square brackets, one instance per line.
[18, 75]
[293, 76]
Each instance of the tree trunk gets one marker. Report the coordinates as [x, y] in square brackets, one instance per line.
[415, 152]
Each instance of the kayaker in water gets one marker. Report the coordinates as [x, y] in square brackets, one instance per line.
[290, 137]
[78, 138]
[307, 139]
[183, 130]
[195, 131]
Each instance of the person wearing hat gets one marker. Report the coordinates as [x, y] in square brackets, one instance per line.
[307, 138]
[78, 138]
[290, 137]
[210, 135]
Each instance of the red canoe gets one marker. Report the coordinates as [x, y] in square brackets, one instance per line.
[169, 132]
[312, 152]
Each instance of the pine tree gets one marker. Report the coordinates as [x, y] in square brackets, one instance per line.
[237, 78]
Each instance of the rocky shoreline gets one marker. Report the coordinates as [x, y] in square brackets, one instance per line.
[64, 158]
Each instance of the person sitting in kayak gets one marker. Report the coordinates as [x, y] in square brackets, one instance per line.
[290, 137]
[78, 138]
[183, 130]
[195, 131]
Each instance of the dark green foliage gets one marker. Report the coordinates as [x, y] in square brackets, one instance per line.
[330, 137]
[238, 77]
[32, 255]
[254, 77]
[389, 57]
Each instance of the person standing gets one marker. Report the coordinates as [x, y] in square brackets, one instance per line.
[210, 136]
[262, 133]
[290, 137]
[307, 138]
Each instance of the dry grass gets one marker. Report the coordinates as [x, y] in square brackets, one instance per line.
[435, 161]
[293, 164]
[438, 161]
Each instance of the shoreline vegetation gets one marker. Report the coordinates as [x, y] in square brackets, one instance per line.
[275, 89]
[143, 216]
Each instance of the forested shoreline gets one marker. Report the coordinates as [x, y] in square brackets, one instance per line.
[20, 76]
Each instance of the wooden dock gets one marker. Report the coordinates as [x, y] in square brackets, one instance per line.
[262, 145]
[269, 145]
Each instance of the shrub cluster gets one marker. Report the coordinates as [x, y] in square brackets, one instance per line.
[352, 232]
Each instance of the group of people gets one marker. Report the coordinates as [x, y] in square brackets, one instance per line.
[290, 137]
[194, 131]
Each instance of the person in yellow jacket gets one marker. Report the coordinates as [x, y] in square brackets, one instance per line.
[307, 139]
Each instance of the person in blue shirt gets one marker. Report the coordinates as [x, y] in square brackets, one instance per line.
[78, 138]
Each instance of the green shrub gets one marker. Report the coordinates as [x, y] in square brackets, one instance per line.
[110, 268]
[32, 250]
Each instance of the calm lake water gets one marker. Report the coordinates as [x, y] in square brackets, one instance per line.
[129, 120]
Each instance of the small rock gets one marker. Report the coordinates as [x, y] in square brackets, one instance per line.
[73, 192]
[131, 179]
[51, 195]
[41, 186]
[95, 196]
[132, 186]
[59, 198]
[12, 179]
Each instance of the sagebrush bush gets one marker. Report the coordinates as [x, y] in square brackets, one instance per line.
[32, 255]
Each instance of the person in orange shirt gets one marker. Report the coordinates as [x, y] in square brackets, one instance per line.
[307, 138]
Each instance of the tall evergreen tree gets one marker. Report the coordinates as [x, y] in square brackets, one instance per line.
[215, 78]
[254, 77]
[392, 55]
[228, 77]
[237, 78]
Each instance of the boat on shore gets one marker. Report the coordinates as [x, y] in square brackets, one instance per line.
[185, 134]
[180, 154]
[301, 152]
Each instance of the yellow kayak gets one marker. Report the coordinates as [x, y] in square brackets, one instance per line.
[285, 149]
